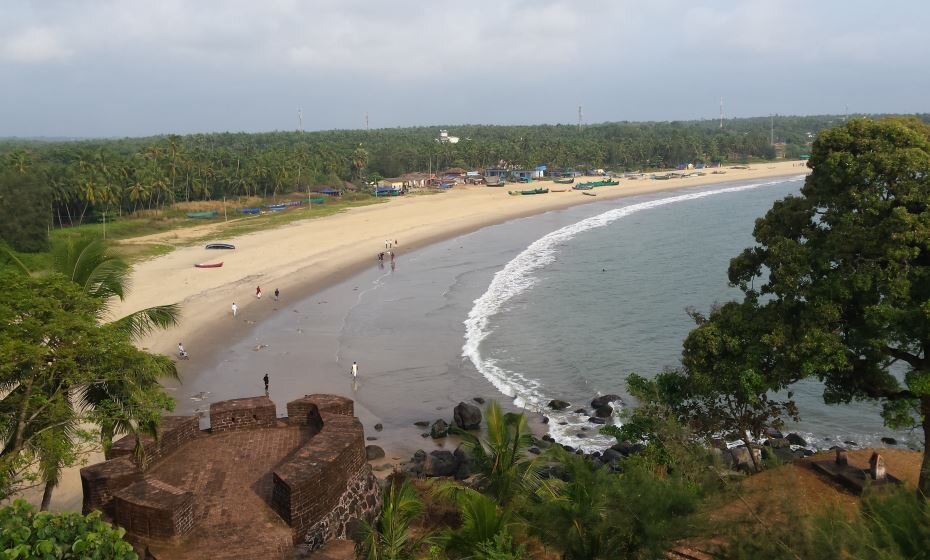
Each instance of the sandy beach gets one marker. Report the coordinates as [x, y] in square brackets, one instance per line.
[305, 256]
[308, 256]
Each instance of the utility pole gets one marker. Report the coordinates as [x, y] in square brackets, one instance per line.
[580, 117]
[721, 112]
[300, 120]
[366, 121]
[772, 141]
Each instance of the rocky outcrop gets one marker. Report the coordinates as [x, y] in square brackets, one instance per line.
[604, 400]
[439, 429]
[556, 404]
[466, 416]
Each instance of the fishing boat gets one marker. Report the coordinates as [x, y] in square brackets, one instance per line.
[565, 180]
[253, 211]
[529, 191]
[558, 190]
[583, 187]
[220, 246]
[203, 215]
[589, 193]
[209, 265]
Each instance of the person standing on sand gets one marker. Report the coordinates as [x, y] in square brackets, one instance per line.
[258, 292]
[277, 293]
[235, 309]
[265, 379]
[354, 370]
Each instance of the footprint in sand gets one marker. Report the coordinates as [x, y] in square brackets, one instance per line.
[259, 347]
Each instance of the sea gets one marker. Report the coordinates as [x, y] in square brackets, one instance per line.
[563, 305]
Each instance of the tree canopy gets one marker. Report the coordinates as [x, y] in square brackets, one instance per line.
[94, 179]
[841, 274]
[60, 369]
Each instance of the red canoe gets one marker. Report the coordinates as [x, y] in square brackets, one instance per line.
[209, 265]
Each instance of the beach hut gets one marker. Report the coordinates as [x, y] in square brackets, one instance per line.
[521, 174]
[495, 172]
[539, 172]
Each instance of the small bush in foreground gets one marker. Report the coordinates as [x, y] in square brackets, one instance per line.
[26, 533]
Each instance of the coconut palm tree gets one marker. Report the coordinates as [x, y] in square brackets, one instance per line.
[501, 458]
[485, 524]
[390, 538]
[103, 277]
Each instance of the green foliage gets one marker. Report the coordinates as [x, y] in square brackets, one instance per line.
[88, 180]
[847, 272]
[25, 207]
[656, 422]
[892, 527]
[390, 537]
[25, 533]
[500, 459]
[592, 513]
[486, 530]
[58, 369]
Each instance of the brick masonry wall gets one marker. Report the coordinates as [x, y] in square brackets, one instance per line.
[101, 481]
[361, 501]
[242, 414]
[303, 412]
[154, 509]
[173, 432]
[312, 482]
[333, 404]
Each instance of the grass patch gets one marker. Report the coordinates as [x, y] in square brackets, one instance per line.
[174, 218]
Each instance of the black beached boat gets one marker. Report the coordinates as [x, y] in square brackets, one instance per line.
[220, 246]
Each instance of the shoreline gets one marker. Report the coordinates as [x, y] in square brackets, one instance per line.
[331, 252]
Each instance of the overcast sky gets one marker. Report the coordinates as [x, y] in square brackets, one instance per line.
[131, 68]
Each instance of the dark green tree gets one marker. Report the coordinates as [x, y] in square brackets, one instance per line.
[843, 271]
[59, 369]
[25, 209]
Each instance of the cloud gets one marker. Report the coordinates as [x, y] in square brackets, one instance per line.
[229, 64]
[35, 44]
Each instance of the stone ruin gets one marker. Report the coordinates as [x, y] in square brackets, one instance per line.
[252, 485]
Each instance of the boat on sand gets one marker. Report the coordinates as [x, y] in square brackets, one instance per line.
[589, 193]
[220, 246]
[209, 265]
[565, 180]
[529, 191]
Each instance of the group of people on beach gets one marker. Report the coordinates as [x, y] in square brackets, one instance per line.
[389, 245]
[258, 295]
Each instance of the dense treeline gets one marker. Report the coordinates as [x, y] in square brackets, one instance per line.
[88, 177]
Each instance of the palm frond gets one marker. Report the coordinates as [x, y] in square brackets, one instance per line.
[144, 321]
[11, 257]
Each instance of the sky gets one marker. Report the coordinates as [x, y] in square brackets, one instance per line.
[112, 68]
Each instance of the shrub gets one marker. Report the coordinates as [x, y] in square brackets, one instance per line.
[26, 533]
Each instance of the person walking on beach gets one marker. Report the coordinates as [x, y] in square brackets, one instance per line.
[235, 309]
[265, 379]
[258, 292]
[277, 293]
[354, 370]
[182, 353]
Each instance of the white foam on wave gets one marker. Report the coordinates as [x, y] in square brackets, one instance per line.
[517, 277]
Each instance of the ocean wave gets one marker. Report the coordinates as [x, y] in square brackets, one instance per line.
[517, 277]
